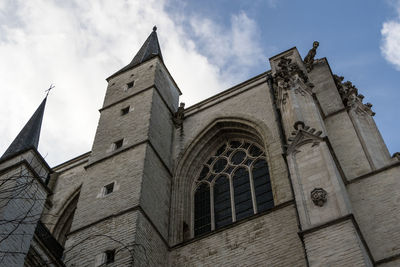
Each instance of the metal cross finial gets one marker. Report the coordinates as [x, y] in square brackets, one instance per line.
[48, 90]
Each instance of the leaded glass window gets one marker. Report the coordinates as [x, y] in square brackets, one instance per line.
[235, 182]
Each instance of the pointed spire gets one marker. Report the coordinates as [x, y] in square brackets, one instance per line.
[150, 49]
[29, 135]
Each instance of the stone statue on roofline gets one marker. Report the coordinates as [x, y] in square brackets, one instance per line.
[309, 59]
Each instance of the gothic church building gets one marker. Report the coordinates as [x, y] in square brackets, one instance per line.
[285, 169]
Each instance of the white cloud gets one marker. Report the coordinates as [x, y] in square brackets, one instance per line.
[77, 44]
[234, 50]
[390, 46]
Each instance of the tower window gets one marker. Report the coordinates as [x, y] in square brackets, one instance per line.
[108, 189]
[110, 256]
[130, 84]
[235, 181]
[125, 111]
[118, 144]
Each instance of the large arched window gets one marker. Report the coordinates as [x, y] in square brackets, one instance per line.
[233, 184]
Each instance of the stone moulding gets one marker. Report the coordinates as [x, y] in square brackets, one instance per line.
[301, 135]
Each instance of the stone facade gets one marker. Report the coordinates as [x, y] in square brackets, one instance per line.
[130, 200]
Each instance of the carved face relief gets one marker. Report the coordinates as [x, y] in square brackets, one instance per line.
[319, 196]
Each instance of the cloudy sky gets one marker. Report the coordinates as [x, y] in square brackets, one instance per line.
[208, 46]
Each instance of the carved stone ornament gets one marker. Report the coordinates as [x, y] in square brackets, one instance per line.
[290, 76]
[179, 115]
[396, 155]
[309, 59]
[319, 196]
[352, 100]
[301, 135]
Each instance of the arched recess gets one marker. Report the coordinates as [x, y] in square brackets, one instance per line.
[64, 222]
[190, 164]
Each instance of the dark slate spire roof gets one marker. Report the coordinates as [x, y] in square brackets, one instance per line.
[150, 49]
[29, 135]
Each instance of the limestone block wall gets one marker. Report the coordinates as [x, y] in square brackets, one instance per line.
[134, 239]
[126, 170]
[312, 166]
[86, 247]
[161, 129]
[22, 197]
[376, 202]
[371, 139]
[351, 130]
[151, 249]
[336, 245]
[268, 240]
[325, 88]
[67, 184]
[346, 145]
[166, 86]
[132, 127]
[142, 76]
[156, 191]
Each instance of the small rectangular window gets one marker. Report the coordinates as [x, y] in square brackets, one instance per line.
[130, 84]
[118, 144]
[110, 256]
[108, 189]
[125, 111]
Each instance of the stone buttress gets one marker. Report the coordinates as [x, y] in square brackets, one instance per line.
[328, 228]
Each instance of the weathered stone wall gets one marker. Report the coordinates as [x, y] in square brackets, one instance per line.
[132, 127]
[336, 245]
[156, 191]
[268, 240]
[371, 139]
[161, 129]
[22, 198]
[376, 202]
[142, 75]
[126, 170]
[346, 145]
[86, 247]
[67, 184]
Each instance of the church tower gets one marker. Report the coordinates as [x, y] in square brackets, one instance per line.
[123, 209]
[23, 191]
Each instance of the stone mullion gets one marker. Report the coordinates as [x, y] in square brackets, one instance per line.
[212, 207]
[232, 193]
[253, 193]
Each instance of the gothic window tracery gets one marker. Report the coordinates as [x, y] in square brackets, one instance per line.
[233, 184]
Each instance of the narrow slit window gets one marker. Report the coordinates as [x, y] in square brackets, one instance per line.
[130, 84]
[125, 111]
[110, 256]
[108, 189]
[118, 144]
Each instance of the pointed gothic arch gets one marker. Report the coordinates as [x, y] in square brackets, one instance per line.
[66, 215]
[191, 160]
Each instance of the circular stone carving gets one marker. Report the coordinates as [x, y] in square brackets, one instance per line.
[319, 196]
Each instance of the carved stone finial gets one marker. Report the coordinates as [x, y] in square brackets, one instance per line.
[179, 115]
[396, 155]
[154, 28]
[309, 59]
[319, 196]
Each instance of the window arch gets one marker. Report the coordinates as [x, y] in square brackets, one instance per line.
[233, 184]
